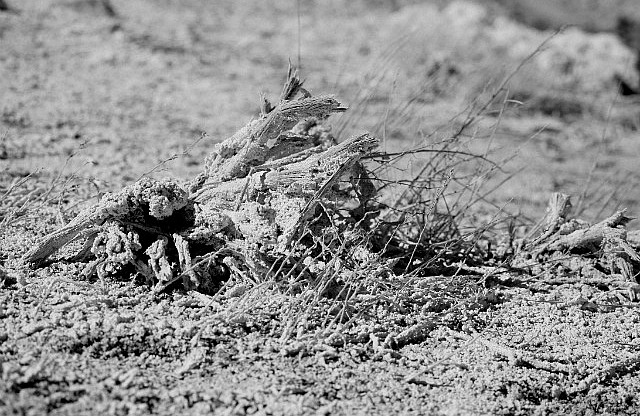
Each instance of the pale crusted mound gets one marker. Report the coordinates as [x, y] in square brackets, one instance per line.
[258, 192]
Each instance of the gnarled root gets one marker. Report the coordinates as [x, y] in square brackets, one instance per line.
[257, 192]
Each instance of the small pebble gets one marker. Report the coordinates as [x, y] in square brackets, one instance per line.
[557, 392]
[33, 327]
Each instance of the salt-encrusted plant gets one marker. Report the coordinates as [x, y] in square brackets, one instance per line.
[264, 195]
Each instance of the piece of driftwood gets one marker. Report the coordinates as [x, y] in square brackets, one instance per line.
[581, 246]
[558, 209]
[258, 192]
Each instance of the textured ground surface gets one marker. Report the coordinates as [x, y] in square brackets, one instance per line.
[92, 100]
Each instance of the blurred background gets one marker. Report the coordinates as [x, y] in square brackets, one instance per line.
[102, 91]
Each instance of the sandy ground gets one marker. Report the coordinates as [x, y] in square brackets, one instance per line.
[92, 100]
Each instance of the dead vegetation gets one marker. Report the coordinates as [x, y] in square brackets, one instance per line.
[604, 250]
[280, 200]
[279, 180]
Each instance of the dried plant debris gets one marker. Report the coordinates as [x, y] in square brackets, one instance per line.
[277, 192]
[281, 198]
[568, 244]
